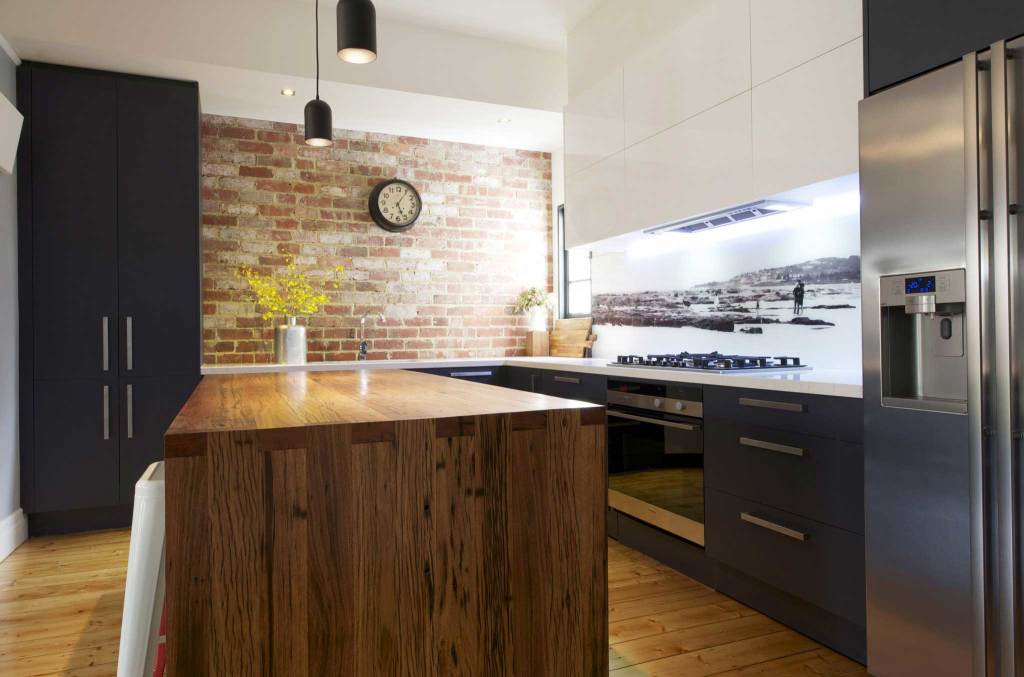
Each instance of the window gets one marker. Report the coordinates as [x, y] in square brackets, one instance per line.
[575, 275]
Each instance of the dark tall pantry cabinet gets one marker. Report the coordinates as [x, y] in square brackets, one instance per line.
[108, 239]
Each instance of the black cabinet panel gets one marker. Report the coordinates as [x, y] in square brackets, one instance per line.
[815, 477]
[522, 378]
[574, 386]
[75, 450]
[826, 568]
[835, 417]
[153, 404]
[489, 375]
[158, 233]
[904, 38]
[74, 281]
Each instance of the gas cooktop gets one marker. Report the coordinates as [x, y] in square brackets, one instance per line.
[713, 362]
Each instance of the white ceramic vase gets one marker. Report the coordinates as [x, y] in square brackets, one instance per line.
[539, 318]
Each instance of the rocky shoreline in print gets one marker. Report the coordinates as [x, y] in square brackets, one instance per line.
[762, 297]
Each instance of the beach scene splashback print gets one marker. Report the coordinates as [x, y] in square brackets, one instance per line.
[793, 290]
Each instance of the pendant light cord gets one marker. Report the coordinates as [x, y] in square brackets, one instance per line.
[316, 42]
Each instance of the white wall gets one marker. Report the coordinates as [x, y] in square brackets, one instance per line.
[12, 522]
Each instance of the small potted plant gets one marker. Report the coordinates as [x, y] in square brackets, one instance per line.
[289, 293]
[534, 302]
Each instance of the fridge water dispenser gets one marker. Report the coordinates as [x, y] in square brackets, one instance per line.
[924, 363]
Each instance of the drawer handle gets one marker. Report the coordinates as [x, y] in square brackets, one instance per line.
[771, 404]
[456, 374]
[567, 379]
[771, 446]
[772, 526]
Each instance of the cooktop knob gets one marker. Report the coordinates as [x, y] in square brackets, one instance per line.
[657, 402]
[680, 406]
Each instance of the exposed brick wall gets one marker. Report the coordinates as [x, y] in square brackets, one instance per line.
[445, 286]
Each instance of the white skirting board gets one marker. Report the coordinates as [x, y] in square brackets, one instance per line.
[13, 532]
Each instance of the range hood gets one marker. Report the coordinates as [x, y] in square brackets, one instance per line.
[726, 217]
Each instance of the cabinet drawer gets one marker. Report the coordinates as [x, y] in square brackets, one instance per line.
[490, 375]
[818, 563]
[574, 386]
[815, 477]
[521, 378]
[834, 417]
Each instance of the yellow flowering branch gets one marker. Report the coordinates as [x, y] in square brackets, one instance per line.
[289, 292]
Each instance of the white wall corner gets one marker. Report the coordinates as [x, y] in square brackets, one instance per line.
[6, 47]
[13, 532]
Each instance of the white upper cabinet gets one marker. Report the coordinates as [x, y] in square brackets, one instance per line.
[696, 166]
[595, 202]
[700, 58]
[593, 123]
[787, 33]
[805, 122]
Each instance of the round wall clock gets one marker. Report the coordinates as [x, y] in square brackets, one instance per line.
[395, 205]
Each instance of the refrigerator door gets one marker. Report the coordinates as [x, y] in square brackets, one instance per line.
[923, 608]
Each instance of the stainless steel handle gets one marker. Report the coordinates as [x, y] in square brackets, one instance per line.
[773, 526]
[772, 404]
[130, 411]
[456, 374]
[106, 412]
[1002, 403]
[105, 329]
[656, 421]
[129, 357]
[567, 379]
[771, 446]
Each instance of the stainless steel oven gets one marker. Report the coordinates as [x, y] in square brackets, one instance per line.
[656, 455]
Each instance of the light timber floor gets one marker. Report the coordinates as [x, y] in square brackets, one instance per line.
[61, 597]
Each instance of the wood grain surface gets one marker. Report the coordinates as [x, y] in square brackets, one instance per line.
[298, 399]
[472, 544]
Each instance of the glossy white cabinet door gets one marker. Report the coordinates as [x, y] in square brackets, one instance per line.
[593, 124]
[787, 33]
[697, 166]
[594, 202]
[805, 122]
[702, 59]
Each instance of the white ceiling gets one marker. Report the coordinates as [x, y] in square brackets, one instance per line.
[535, 23]
[448, 69]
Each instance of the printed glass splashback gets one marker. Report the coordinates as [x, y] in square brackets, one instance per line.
[787, 285]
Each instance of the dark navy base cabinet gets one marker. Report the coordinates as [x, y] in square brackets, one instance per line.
[109, 285]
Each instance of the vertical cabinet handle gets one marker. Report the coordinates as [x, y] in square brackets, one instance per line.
[130, 411]
[129, 359]
[106, 412]
[105, 329]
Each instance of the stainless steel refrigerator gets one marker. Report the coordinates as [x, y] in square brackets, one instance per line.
[940, 172]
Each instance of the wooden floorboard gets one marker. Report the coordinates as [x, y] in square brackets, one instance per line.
[61, 599]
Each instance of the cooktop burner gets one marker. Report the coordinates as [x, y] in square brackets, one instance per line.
[715, 361]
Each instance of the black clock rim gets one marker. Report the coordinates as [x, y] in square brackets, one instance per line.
[382, 220]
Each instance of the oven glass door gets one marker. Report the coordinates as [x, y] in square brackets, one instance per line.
[656, 470]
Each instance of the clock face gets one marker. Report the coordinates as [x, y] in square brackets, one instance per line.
[398, 204]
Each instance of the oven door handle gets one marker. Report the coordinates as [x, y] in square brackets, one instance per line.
[655, 421]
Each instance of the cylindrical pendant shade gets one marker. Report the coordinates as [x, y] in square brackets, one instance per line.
[318, 123]
[357, 31]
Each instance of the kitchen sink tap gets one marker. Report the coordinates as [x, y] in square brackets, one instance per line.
[363, 346]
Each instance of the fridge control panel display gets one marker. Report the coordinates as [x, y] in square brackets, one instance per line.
[947, 286]
[919, 285]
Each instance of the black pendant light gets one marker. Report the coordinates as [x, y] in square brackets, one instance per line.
[357, 31]
[318, 113]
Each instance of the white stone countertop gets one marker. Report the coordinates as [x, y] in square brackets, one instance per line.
[834, 382]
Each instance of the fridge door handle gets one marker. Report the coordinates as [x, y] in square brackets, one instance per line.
[106, 412]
